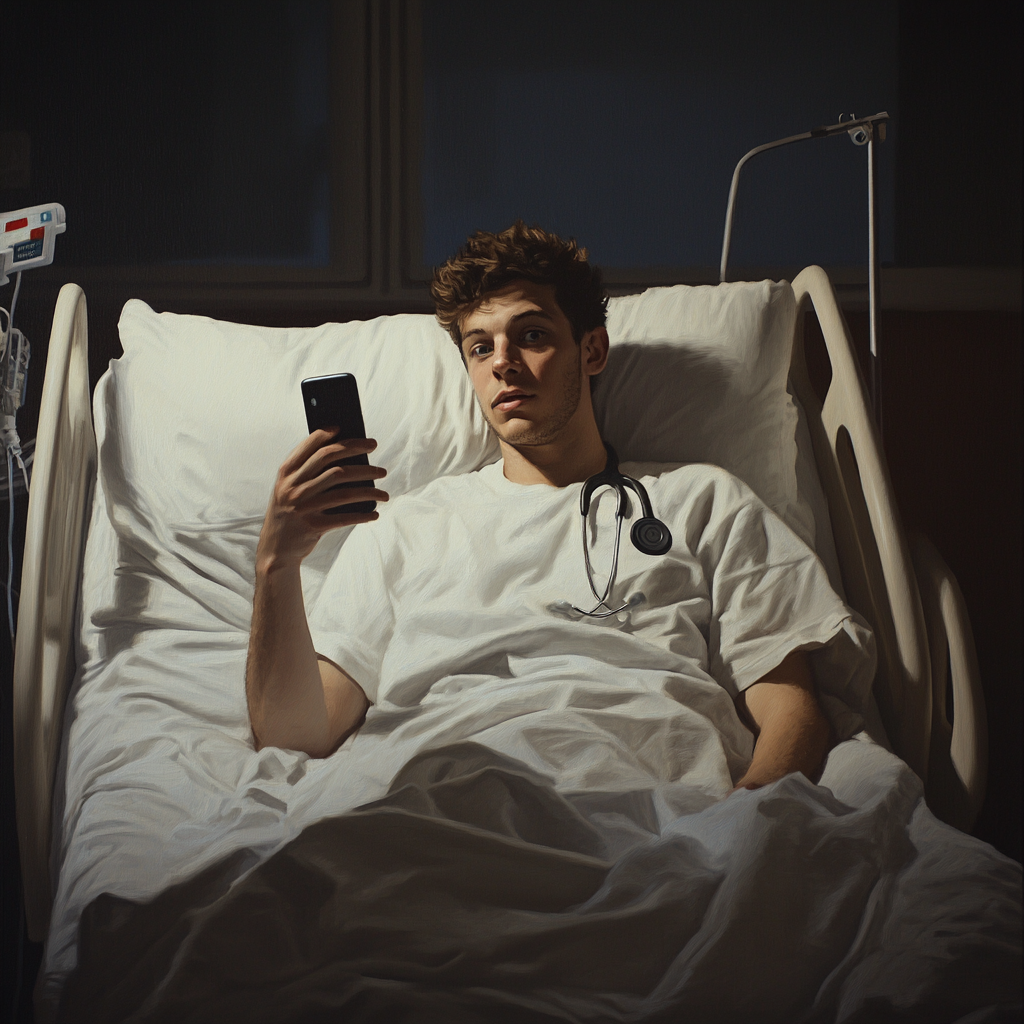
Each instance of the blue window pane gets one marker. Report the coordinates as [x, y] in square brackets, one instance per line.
[620, 124]
[192, 133]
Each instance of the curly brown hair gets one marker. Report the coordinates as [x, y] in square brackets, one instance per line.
[488, 262]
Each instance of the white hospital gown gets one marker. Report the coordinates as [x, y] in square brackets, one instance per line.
[445, 612]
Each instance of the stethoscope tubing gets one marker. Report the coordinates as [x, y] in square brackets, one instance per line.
[649, 535]
[602, 599]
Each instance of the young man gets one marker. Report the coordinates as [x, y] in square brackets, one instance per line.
[448, 601]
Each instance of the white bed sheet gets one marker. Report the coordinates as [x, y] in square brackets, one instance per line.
[845, 901]
[855, 873]
[160, 778]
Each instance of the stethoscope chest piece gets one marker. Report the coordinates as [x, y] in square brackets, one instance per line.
[651, 536]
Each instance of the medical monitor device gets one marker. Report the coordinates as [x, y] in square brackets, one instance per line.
[26, 239]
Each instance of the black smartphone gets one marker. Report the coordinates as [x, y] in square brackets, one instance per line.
[333, 401]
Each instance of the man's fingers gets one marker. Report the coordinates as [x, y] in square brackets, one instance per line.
[340, 481]
[344, 496]
[308, 449]
[297, 513]
[323, 523]
[328, 459]
[300, 454]
[338, 447]
[344, 448]
[334, 475]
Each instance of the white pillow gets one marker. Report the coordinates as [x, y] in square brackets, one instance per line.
[213, 407]
[200, 413]
[698, 374]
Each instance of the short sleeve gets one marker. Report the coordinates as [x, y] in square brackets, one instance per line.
[352, 619]
[770, 595]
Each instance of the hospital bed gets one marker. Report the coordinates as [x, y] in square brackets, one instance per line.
[737, 347]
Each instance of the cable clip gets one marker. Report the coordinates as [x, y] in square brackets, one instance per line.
[859, 135]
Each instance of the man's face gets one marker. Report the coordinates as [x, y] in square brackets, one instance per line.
[527, 370]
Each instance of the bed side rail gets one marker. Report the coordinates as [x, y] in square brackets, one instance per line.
[874, 557]
[44, 654]
[958, 760]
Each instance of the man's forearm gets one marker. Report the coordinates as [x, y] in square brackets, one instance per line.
[794, 737]
[283, 686]
[295, 701]
[793, 734]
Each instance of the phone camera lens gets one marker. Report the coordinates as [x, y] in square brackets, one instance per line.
[312, 401]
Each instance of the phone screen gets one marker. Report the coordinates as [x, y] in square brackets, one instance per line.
[333, 401]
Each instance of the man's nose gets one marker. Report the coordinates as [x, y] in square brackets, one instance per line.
[506, 357]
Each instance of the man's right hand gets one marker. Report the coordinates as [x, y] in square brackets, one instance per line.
[296, 700]
[296, 516]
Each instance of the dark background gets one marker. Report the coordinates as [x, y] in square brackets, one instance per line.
[114, 120]
[624, 130]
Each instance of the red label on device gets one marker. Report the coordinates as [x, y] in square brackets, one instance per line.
[13, 225]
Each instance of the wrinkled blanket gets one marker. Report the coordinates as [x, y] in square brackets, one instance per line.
[474, 891]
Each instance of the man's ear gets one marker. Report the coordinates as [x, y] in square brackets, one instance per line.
[594, 351]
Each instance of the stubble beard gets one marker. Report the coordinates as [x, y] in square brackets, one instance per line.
[520, 433]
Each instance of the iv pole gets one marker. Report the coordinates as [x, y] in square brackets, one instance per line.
[862, 131]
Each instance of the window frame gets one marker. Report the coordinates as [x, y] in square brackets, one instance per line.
[354, 162]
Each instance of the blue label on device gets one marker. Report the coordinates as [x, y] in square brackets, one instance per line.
[45, 216]
[28, 250]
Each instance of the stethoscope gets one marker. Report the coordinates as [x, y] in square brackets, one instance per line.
[648, 534]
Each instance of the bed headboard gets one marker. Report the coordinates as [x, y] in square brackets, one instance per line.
[877, 571]
[900, 584]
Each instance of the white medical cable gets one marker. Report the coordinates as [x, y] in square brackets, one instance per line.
[10, 319]
[10, 545]
[14, 303]
[17, 453]
[12, 443]
[28, 458]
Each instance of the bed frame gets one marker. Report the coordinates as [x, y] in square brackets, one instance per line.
[902, 588]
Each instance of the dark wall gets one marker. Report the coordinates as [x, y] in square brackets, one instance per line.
[189, 132]
[953, 380]
[624, 131]
[953, 441]
[176, 133]
[958, 175]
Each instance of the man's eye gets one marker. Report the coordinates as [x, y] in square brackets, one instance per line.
[480, 349]
[533, 335]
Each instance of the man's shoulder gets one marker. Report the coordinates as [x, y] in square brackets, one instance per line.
[686, 476]
[675, 482]
[698, 494]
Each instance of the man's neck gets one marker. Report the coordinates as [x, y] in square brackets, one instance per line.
[567, 460]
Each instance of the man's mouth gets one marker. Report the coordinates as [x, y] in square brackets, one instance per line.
[509, 400]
